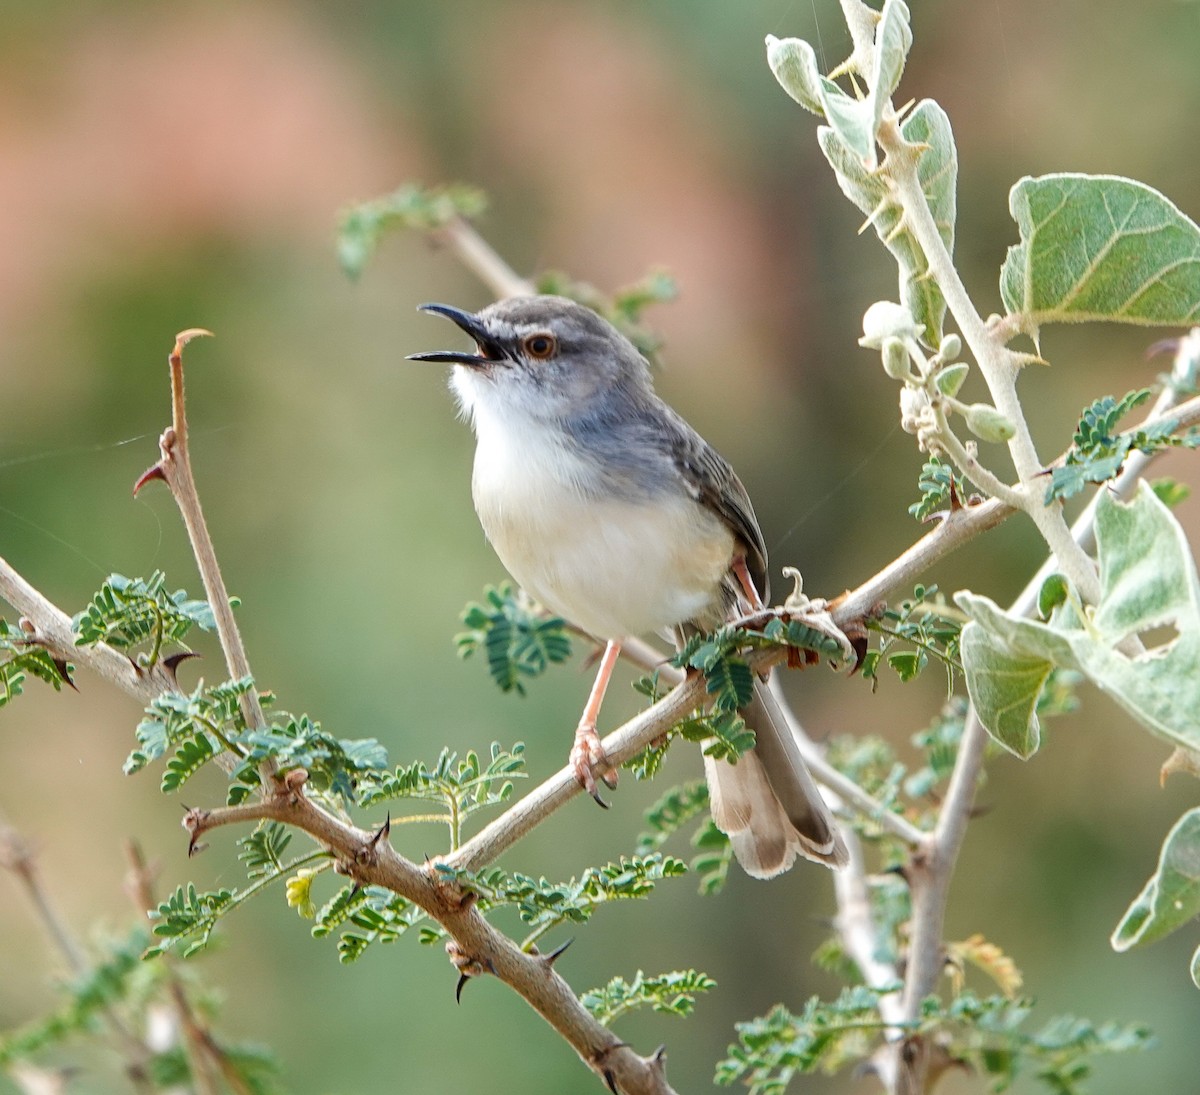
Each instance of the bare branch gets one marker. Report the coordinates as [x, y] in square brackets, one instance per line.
[478, 256]
[175, 469]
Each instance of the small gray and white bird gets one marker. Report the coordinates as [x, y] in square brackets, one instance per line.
[609, 509]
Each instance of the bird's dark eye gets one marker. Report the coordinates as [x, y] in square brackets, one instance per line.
[541, 345]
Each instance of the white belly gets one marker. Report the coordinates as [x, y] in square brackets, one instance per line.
[615, 568]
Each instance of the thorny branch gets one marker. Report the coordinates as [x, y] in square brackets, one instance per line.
[174, 467]
[18, 857]
[370, 859]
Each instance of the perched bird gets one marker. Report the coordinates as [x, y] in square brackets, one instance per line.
[609, 509]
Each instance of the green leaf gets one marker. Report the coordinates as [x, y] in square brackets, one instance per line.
[893, 40]
[1099, 247]
[936, 493]
[1149, 589]
[1172, 896]
[519, 640]
[19, 658]
[937, 170]
[128, 613]
[334, 765]
[189, 758]
[1098, 449]
[794, 64]
[174, 718]
[1005, 688]
[669, 993]
[426, 209]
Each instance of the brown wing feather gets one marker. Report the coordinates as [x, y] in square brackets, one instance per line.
[714, 483]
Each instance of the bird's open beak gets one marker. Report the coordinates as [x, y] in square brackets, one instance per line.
[489, 352]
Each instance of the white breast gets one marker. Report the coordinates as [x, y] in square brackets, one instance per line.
[613, 567]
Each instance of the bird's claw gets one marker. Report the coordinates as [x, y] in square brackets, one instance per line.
[589, 760]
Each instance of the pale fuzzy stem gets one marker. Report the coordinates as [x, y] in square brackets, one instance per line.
[998, 365]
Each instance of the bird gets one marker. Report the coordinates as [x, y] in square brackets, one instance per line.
[611, 511]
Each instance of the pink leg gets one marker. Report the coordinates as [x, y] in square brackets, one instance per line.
[587, 756]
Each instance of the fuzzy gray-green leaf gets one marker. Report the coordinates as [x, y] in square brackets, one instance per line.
[1099, 247]
[1172, 896]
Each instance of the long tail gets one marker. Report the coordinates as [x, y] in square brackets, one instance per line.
[767, 803]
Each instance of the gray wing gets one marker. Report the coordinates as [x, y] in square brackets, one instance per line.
[714, 483]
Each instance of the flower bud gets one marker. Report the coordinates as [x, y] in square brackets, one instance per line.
[895, 358]
[914, 409]
[988, 424]
[885, 319]
[950, 348]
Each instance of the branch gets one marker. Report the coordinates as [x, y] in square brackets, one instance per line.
[51, 628]
[175, 469]
[17, 857]
[200, 1048]
[478, 256]
[999, 365]
[933, 867]
[369, 859]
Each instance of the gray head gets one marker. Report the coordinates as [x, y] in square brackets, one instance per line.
[539, 357]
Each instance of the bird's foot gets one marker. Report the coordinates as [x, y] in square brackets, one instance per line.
[588, 761]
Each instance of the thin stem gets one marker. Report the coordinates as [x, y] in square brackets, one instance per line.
[478, 256]
[998, 365]
[966, 462]
[17, 857]
[175, 467]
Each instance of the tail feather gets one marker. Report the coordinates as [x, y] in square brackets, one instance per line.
[767, 803]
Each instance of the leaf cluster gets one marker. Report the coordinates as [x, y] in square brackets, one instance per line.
[198, 724]
[424, 208]
[334, 765]
[544, 905]
[366, 915]
[20, 658]
[922, 622]
[1098, 449]
[980, 1032]
[942, 488]
[462, 787]
[519, 641]
[130, 613]
[112, 980]
[669, 993]
[674, 811]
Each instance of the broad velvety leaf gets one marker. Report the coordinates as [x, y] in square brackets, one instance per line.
[927, 125]
[1172, 896]
[1005, 688]
[1149, 589]
[1098, 247]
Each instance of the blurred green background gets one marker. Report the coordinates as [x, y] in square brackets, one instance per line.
[170, 165]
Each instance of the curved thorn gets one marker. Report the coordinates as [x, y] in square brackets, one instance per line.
[557, 953]
[155, 472]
